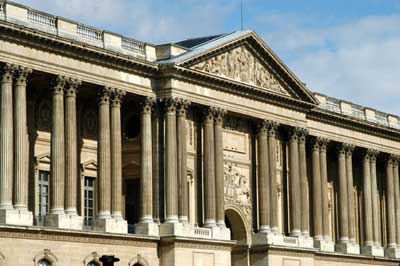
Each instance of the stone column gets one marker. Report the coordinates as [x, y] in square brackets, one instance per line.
[219, 166]
[324, 187]
[342, 195]
[374, 195]
[71, 152]
[171, 177]
[103, 154]
[57, 166]
[116, 154]
[183, 204]
[350, 194]
[6, 137]
[304, 183]
[317, 195]
[264, 191]
[156, 159]
[367, 202]
[390, 201]
[294, 184]
[21, 140]
[209, 169]
[397, 197]
[272, 129]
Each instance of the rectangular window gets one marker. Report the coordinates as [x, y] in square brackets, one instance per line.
[89, 201]
[43, 194]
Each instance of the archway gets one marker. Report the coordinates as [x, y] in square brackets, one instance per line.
[234, 220]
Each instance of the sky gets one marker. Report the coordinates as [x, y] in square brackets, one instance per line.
[345, 49]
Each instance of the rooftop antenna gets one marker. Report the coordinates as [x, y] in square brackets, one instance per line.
[241, 15]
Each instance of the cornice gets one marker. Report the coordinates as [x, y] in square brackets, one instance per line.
[327, 117]
[72, 48]
[234, 87]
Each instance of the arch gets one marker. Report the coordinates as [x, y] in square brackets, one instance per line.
[237, 223]
[46, 255]
[138, 260]
[93, 257]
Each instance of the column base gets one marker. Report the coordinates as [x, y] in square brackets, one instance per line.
[64, 221]
[111, 225]
[16, 217]
[221, 233]
[373, 251]
[176, 229]
[269, 238]
[392, 252]
[348, 248]
[306, 242]
[324, 245]
[149, 229]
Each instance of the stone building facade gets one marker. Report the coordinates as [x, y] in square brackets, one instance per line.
[208, 151]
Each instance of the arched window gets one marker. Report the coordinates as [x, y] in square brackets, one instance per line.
[93, 263]
[43, 262]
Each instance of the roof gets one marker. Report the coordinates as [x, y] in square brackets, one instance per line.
[192, 42]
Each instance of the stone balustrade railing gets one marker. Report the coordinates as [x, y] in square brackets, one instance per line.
[357, 111]
[21, 15]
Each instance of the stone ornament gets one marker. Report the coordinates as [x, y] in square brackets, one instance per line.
[237, 188]
[240, 65]
[21, 74]
[71, 88]
[116, 97]
[7, 72]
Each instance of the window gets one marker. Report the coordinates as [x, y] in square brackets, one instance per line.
[89, 202]
[44, 263]
[43, 195]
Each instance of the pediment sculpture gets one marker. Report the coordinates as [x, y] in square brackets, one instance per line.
[239, 64]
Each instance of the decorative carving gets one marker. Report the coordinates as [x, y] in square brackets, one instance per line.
[21, 74]
[7, 71]
[104, 95]
[372, 154]
[147, 104]
[58, 84]
[182, 107]
[268, 127]
[219, 114]
[138, 260]
[44, 115]
[71, 88]
[237, 188]
[240, 64]
[170, 104]
[116, 97]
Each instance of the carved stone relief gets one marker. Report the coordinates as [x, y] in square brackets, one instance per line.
[237, 187]
[239, 64]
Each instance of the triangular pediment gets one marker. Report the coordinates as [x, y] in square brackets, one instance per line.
[240, 64]
[244, 58]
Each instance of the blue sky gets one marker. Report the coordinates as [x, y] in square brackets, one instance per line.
[346, 49]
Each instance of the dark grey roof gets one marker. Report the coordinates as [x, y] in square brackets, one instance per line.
[190, 43]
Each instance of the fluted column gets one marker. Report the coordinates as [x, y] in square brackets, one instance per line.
[350, 194]
[156, 159]
[57, 166]
[304, 183]
[343, 200]
[6, 136]
[390, 201]
[116, 153]
[316, 189]
[374, 195]
[183, 204]
[397, 197]
[209, 168]
[21, 139]
[367, 202]
[146, 165]
[219, 166]
[294, 184]
[103, 154]
[71, 177]
[171, 173]
[272, 129]
[324, 187]
[264, 191]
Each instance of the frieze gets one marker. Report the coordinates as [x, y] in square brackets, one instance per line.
[240, 65]
[237, 188]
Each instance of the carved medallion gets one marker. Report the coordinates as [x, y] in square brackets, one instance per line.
[240, 65]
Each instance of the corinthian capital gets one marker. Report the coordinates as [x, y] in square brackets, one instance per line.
[116, 97]
[104, 95]
[268, 127]
[21, 74]
[147, 104]
[170, 104]
[58, 84]
[7, 72]
[219, 114]
[182, 107]
[71, 88]
[372, 154]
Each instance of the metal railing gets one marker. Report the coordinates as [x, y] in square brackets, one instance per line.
[42, 18]
[132, 45]
[89, 33]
